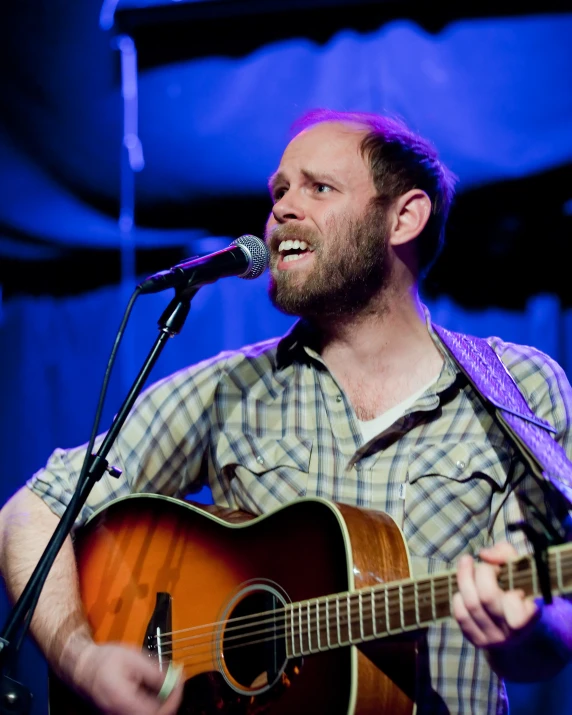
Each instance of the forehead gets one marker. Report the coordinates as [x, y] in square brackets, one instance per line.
[332, 147]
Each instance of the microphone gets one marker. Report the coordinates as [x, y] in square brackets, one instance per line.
[246, 257]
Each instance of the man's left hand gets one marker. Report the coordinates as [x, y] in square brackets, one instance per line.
[489, 616]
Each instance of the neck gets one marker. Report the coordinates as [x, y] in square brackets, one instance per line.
[391, 327]
[383, 356]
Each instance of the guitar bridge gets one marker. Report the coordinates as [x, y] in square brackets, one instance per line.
[158, 641]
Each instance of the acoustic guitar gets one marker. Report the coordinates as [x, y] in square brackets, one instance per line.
[309, 609]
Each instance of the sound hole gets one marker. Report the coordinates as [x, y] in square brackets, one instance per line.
[254, 645]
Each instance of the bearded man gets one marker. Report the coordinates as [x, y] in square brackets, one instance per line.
[360, 404]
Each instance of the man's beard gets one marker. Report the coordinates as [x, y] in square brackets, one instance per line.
[346, 275]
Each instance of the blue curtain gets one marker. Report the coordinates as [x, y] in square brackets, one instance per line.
[490, 93]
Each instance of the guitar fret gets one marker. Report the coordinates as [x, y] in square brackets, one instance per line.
[292, 646]
[360, 608]
[424, 612]
[387, 618]
[301, 632]
[295, 634]
[433, 605]
[559, 581]
[328, 623]
[338, 621]
[450, 584]
[309, 627]
[326, 626]
[534, 577]
[318, 625]
[416, 598]
[373, 613]
[510, 576]
[349, 617]
[401, 614]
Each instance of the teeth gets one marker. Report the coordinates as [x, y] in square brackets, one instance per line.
[292, 257]
[289, 245]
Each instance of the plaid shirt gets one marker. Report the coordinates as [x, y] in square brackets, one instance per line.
[268, 423]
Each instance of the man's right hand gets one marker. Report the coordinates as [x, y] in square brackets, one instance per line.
[123, 681]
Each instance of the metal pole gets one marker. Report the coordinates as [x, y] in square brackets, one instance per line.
[131, 162]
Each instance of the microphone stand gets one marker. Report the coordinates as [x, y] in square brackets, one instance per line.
[15, 698]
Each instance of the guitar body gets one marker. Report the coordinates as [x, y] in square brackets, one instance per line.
[147, 562]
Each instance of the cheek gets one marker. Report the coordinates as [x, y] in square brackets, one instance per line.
[336, 222]
[329, 219]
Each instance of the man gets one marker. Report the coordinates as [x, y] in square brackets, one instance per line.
[358, 404]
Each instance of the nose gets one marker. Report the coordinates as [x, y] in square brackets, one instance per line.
[288, 208]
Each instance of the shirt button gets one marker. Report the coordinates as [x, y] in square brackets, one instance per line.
[461, 464]
[259, 460]
[339, 398]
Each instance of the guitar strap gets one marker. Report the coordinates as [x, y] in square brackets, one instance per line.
[496, 386]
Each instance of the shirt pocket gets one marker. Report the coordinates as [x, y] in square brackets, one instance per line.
[261, 473]
[450, 497]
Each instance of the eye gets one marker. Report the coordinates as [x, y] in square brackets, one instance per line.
[323, 188]
[278, 193]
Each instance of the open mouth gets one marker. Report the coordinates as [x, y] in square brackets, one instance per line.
[293, 250]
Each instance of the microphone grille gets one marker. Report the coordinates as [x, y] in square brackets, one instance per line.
[258, 253]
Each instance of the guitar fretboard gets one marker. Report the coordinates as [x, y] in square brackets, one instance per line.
[388, 609]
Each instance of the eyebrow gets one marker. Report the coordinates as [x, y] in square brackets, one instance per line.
[310, 176]
[276, 178]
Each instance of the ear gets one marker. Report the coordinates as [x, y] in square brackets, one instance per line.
[408, 216]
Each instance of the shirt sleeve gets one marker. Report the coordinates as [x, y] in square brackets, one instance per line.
[160, 448]
[545, 386]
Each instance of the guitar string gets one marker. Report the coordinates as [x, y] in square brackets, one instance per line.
[439, 581]
[191, 659]
[365, 612]
[251, 620]
[196, 660]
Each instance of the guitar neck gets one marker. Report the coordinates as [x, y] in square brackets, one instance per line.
[389, 609]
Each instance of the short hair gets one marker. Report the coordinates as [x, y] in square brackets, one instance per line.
[400, 160]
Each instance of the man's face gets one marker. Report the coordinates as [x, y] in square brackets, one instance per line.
[326, 237]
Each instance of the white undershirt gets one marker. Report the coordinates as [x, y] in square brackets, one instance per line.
[372, 428]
